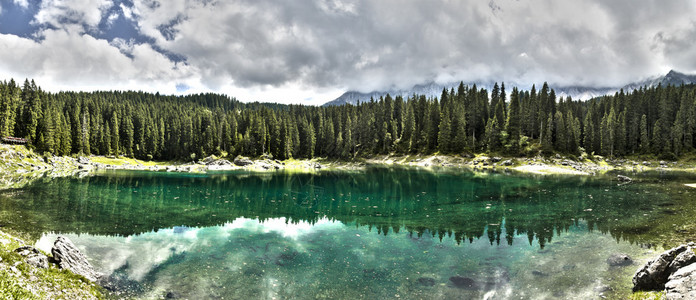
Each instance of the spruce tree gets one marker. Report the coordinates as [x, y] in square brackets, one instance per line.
[514, 123]
[644, 134]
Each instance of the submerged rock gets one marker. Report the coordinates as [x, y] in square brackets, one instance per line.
[119, 283]
[619, 260]
[286, 258]
[67, 256]
[33, 256]
[463, 282]
[425, 281]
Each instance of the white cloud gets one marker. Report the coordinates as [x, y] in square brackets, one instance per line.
[289, 51]
[127, 12]
[367, 45]
[144, 252]
[22, 3]
[62, 13]
[66, 60]
[111, 19]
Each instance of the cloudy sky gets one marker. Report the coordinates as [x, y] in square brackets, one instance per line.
[311, 51]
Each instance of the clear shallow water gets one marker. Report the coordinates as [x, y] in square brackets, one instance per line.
[383, 233]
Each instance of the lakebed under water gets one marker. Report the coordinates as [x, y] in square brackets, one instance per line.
[375, 234]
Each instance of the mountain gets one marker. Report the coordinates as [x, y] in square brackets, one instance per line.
[433, 89]
[672, 78]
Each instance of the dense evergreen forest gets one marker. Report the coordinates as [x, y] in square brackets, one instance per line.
[659, 121]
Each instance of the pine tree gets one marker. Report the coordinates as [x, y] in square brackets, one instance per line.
[409, 132]
[9, 102]
[444, 133]
[644, 140]
[561, 139]
[547, 137]
[115, 139]
[433, 126]
[513, 127]
[458, 135]
[492, 135]
[30, 111]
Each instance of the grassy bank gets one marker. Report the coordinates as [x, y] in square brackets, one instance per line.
[19, 280]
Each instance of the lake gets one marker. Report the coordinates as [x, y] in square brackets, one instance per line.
[373, 234]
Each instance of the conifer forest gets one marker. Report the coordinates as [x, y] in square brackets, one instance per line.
[658, 121]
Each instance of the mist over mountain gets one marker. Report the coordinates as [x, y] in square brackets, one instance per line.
[433, 89]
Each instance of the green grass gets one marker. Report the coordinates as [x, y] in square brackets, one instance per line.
[647, 296]
[121, 161]
[11, 289]
[55, 280]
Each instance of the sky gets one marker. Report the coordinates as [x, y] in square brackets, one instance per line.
[311, 51]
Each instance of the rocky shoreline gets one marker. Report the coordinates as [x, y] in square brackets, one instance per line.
[673, 271]
[19, 162]
[28, 273]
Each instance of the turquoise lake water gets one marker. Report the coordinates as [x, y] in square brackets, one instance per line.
[383, 233]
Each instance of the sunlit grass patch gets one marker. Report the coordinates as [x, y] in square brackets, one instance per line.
[647, 296]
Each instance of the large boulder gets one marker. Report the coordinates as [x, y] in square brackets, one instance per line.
[682, 260]
[654, 274]
[67, 256]
[242, 161]
[623, 178]
[33, 256]
[682, 284]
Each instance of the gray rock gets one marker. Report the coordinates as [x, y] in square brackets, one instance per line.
[624, 178]
[682, 260]
[33, 256]
[218, 162]
[619, 260]
[425, 281]
[654, 274]
[208, 160]
[83, 160]
[463, 282]
[682, 284]
[67, 256]
[242, 161]
[507, 163]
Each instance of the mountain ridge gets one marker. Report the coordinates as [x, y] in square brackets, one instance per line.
[433, 89]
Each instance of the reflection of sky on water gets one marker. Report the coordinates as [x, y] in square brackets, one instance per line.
[141, 253]
[274, 259]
